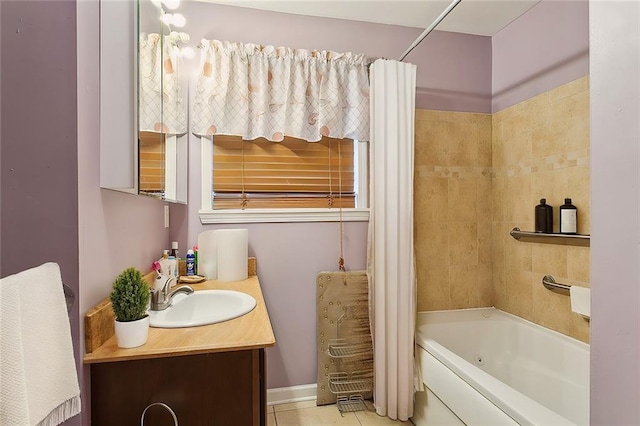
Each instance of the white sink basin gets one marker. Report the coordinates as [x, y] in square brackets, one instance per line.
[201, 308]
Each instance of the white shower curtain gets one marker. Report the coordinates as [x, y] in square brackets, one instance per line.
[391, 259]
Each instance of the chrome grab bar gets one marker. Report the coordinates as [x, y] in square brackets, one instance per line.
[550, 283]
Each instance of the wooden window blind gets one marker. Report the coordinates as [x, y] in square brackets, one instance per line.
[151, 162]
[288, 174]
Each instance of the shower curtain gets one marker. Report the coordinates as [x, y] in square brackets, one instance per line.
[390, 263]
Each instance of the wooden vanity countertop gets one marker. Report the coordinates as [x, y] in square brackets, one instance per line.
[250, 331]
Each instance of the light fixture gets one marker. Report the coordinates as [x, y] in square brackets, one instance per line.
[167, 18]
[179, 20]
[187, 52]
[171, 4]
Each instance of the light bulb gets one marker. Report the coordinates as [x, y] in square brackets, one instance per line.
[188, 52]
[167, 18]
[179, 20]
[171, 4]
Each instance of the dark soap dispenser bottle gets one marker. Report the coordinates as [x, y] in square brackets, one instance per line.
[568, 217]
[544, 217]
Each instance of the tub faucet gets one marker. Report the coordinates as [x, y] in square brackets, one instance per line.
[161, 297]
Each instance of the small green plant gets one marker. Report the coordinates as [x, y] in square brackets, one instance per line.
[130, 296]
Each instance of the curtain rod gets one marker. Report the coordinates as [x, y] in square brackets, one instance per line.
[430, 28]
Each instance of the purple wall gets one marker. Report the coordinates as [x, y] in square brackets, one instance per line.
[39, 169]
[615, 179]
[454, 72]
[542, 49]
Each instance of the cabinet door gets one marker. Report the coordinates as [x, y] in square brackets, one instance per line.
[210, 389]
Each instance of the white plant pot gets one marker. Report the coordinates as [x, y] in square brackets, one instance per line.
[132, 334]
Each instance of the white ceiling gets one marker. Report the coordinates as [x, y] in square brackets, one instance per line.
[480, 17]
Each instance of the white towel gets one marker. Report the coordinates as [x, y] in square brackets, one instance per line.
[38, 379]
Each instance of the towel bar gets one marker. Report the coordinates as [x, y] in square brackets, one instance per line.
[550, 283]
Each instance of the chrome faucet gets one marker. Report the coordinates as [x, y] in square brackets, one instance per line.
[161, 298]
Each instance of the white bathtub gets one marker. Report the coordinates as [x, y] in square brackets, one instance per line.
[492, 368]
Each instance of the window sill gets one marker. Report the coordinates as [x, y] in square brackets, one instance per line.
[282, 215]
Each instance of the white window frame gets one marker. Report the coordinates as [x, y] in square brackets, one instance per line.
[358, 214]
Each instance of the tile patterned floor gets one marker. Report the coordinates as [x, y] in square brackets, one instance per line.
[306, 413]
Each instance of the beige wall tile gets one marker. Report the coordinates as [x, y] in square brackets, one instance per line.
[549, 259]
[431, 144]
[517, 255]
[462, 144]
[463, 287]
[462, 202]
[578, 264]
[499, 288]
[557, 131]
[432, 244]
[499, 235]
[517, 138]
[433, 290]
[519, 293]
[531, 148]
[431, 199]
[539, 110]
[553, 128]
[484, 142]
[484, 243]
[498, 194]
[463, 244]
[498, 145]
[483, 198]
[519, 199]
[577, 121]
[485, 286]
[453, 191]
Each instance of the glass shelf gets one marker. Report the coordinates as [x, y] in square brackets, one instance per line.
[583, 239]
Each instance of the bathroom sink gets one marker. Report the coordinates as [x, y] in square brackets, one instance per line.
[201, 308]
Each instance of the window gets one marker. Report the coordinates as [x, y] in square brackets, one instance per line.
[157, 165]
[151, 158]
[289, 181]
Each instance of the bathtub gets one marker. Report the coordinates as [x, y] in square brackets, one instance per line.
[487, 367]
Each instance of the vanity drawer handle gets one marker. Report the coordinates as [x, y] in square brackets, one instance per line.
[166, 407]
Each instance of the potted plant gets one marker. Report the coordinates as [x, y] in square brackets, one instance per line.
[130, 299]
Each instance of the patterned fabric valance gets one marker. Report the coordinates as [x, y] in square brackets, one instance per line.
[264, 91]
[162, 107]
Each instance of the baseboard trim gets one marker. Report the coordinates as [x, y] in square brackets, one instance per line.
[291, 394]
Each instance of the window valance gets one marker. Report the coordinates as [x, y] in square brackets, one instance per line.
[265, 91]
[162, 107]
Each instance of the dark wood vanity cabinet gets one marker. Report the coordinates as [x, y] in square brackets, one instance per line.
[215, 389]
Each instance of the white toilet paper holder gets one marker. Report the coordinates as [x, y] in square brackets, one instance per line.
[550, 283]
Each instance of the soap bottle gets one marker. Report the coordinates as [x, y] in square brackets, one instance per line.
[568, 217]
[544, 217]
[195, 265]
[191, 263]
[174, 249]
